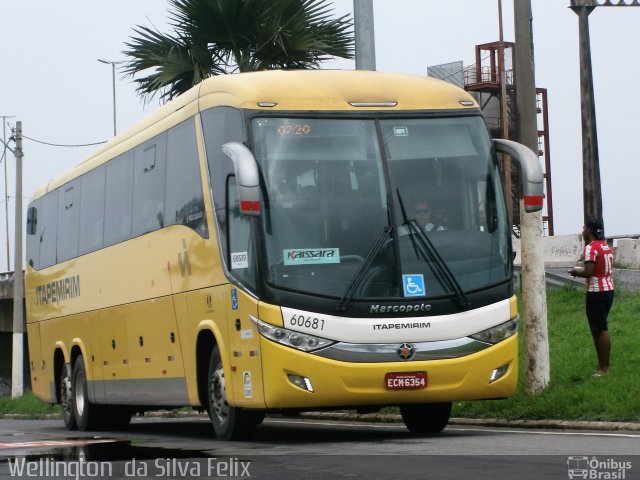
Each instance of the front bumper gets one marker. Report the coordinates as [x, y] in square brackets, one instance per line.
[341, 384]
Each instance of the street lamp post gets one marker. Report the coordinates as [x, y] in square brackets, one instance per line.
[591, 185]
[365, 36]
[113, 64]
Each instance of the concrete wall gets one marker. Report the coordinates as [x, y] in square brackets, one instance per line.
[628, 254]
[558, 251]
[564, 251]
[626, 279]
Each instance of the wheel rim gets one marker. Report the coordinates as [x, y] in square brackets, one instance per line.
[80, 398]
[65, 395]
[218, 395]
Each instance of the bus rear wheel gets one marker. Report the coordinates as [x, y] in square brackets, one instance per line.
[87, 415]
[425, 418]
[64, 395]
[229, 423]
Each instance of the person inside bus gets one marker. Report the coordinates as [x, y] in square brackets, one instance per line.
[421, 212]
[423, 215]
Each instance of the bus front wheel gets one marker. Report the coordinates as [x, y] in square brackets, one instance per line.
[229, 423]
[86, 414]
[426, 418]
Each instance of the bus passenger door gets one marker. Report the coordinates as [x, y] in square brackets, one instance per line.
[244, 345]
[244, 338]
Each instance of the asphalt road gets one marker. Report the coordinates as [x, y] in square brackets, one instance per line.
[286, 448]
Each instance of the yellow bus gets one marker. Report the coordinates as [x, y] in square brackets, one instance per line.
[281, 240]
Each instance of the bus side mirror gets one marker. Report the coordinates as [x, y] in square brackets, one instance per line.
[32, 220]
[530, 171]
[247, 177]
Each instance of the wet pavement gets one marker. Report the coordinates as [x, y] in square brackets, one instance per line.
[298, 448]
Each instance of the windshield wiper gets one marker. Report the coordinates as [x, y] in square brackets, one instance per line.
[431, 255]
[356, 280]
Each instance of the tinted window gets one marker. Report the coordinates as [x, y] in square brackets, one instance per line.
[241, 261]
[68, 220]
[33, 240]
[92, 210]
[221, 125]
[148, 185]
[117, 222]
[48, 231]
[184, 198]
[126, 197]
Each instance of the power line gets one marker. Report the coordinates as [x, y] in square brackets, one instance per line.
[64, 145]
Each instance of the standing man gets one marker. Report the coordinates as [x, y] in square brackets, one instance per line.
[598, 266]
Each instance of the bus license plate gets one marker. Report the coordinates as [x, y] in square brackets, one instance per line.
[405, 380]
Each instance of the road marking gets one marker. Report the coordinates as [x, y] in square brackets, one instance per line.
[54, 443]
[459, 428]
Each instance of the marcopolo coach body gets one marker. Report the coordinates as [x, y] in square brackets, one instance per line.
[280, 240]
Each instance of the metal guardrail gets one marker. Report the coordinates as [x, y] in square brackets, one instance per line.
[554, 278]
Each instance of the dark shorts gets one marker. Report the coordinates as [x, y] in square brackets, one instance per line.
[598, 306]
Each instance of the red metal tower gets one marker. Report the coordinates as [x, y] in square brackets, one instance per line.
[483, 80]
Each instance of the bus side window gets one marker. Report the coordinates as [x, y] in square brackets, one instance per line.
[48, 230]
[33, 240]
[184, 200]
[221, 125]
[68, 221]
[32, 220]
[242, 258]
[118, 199]
[92, 210]
[148, 185]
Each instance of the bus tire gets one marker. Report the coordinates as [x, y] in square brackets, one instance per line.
[64, 396]
[87, 415]
[426, 418]
[229, 423]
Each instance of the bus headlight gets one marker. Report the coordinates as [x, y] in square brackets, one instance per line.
[290, 338]
[498, 333]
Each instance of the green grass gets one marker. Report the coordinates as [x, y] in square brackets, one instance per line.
[573, 394]
[27, 405]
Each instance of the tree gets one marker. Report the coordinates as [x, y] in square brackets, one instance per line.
[213, 37]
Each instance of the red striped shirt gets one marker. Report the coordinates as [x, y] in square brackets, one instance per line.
[599, 253]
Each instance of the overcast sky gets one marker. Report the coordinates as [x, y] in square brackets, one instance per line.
[50, 79]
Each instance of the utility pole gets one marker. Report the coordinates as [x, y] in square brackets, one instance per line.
[534, 297]
[591, 185]
[17, 373]
[504, 114]
[365, 35]
[592, 193]
[6, 188]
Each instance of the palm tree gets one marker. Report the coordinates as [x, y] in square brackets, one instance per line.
[213, 37]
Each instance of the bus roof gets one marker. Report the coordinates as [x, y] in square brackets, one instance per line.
[330, 90]
[280, 90]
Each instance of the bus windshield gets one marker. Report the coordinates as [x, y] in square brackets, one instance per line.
[429, 188]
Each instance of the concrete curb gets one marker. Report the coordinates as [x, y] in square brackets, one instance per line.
[484, 422]
[391, 418]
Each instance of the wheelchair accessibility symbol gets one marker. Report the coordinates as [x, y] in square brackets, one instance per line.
[413, 285]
